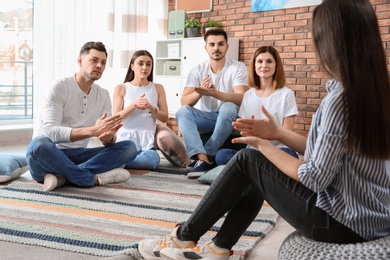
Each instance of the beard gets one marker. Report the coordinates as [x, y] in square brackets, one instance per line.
[92, 77]
[218, 58]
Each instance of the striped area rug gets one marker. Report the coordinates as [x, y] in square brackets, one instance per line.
[110, 220]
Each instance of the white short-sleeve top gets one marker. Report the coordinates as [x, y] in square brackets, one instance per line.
[234, 73]
[280, 104]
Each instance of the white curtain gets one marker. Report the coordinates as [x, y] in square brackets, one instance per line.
[61, 27]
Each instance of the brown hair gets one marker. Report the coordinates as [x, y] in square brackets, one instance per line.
[130, 73]
[86, 48]
[278, 77]
[215, 31]
[349, 47]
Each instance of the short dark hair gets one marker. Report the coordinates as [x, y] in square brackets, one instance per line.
[216, 31]
[99, 46]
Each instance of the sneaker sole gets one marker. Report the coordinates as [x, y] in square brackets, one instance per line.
[167, 253]
[146, 255]
[165, 256]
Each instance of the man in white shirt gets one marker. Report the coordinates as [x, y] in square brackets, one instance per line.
[218, 84]
[74, 110]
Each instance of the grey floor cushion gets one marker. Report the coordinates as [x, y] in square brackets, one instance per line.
[12, 166]
[209, 176]
[298, 247]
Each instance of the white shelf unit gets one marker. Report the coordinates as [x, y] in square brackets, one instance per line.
[172, 65]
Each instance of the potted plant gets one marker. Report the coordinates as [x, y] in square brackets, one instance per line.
[192, 26]
[212, 24]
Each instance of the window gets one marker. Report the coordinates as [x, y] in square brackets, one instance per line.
[16, 60]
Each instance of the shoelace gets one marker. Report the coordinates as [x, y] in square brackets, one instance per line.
[163, 243]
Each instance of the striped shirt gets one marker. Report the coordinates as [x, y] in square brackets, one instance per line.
[352, 189]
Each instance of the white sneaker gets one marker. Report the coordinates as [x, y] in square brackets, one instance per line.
[113, 176]
[150, 248]
[208, 252]
[52, 181]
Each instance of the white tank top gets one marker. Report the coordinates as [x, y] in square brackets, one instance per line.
[140, 126]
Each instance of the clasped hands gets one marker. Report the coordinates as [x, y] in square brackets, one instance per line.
[142, 103]
[256, 132]
[207, 88]
[106, 127]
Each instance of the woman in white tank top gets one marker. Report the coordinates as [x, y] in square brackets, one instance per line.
[140, 102]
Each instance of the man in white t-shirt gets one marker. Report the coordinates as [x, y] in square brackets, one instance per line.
[218, 84]
[73, 110]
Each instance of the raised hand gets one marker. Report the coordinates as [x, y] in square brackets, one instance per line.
[253, 141]
[106, 128]
[264, 128]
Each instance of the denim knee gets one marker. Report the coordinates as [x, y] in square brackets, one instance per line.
[128, 149]
[38, 144]
[223, 156]
[152, 157]
[228, 110]
[183, 111]
[146, 159]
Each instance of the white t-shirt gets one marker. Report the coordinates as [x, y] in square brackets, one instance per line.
[234, 73]
[66, 106]
[140, 126]
[280, 104]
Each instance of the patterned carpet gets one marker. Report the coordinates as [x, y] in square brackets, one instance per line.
[110, 220]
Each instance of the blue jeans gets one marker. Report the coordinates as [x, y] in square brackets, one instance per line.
[193, 121]
[79, 165]
[239, 192]
[223, 156]
[146, 160]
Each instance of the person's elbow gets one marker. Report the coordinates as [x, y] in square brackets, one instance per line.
[55, 133]
[164, 118]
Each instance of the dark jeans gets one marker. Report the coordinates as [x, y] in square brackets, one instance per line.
[240, 190]
[78, 165]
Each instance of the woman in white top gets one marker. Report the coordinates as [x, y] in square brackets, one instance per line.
[267, 82]
[140, 102]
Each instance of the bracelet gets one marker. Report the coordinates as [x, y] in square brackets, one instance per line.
[154, 112]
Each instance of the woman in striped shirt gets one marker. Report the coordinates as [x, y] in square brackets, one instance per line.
[340, 192]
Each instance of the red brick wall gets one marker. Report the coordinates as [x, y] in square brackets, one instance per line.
[288, 30]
